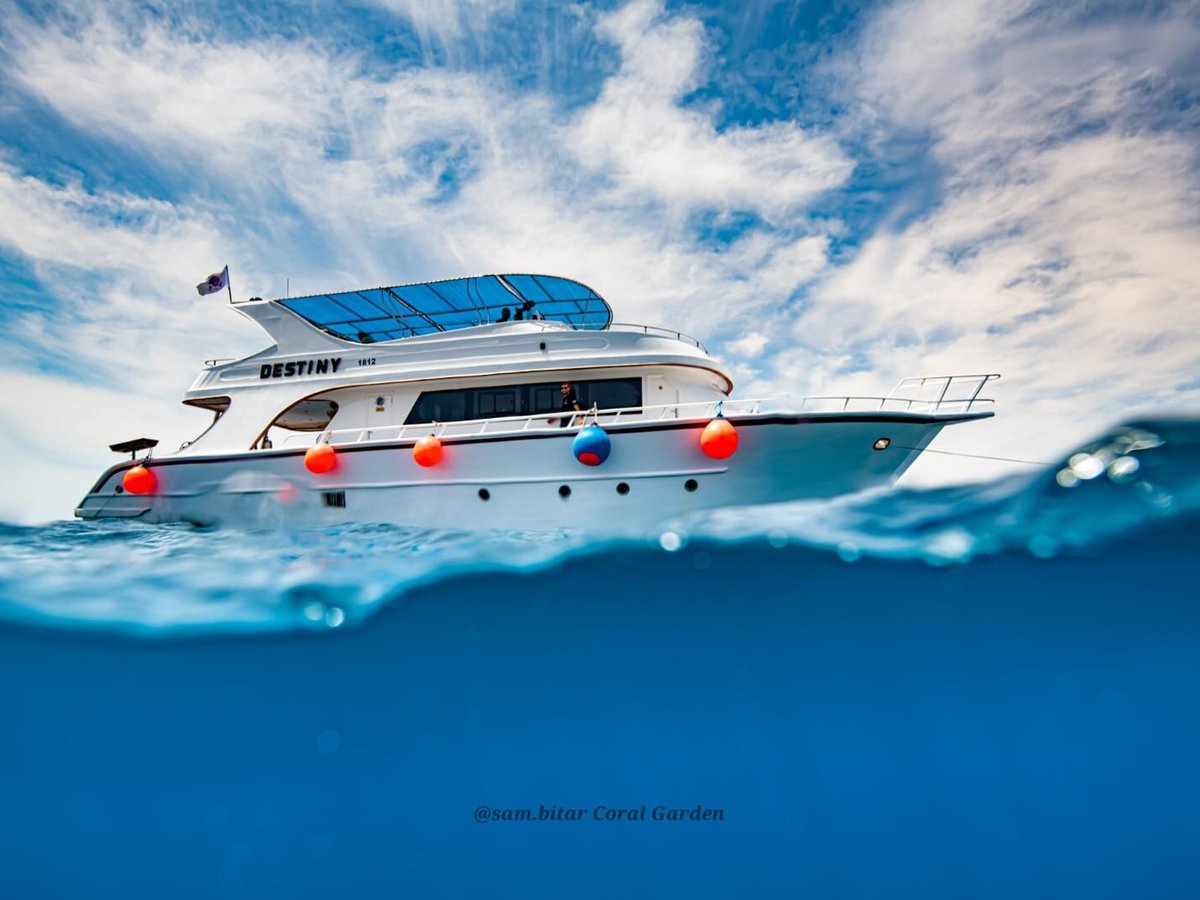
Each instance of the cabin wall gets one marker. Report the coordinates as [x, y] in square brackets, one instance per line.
[389, 404]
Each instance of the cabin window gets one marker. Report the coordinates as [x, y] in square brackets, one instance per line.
[547, 398]
[439, 406]
[499, 402]
[522, 400]
[616, 393]
[307, 415]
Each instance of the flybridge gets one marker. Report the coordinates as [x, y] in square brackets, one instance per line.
[390, 313]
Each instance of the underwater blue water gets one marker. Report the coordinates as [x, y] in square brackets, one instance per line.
[986, 691]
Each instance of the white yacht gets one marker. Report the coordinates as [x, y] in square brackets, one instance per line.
[503, 401]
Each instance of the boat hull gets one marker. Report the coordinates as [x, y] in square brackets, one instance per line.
[530, 481]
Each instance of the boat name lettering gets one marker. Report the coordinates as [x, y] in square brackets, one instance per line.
[304, 367]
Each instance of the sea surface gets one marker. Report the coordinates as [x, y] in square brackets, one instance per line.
[982, 691]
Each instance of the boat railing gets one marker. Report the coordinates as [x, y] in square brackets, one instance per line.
[942, 389]
[885, 404]
[536, 422]
[654, 329]
[699, 410]
[941, 394]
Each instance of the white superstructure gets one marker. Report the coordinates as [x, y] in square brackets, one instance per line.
[481, 364]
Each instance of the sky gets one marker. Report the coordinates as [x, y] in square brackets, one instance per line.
[833, 196]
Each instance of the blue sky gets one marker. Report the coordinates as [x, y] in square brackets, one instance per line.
[833, 196]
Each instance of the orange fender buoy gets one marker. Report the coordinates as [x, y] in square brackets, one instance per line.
[320, 459]
[427, 451]
[719, 439]
[139, 480]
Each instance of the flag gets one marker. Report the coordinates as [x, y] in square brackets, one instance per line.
[217, 281]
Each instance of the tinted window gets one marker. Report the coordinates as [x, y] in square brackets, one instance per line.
[439, 406]
[522, 400]
[613, 393]
[497, 402]
[545, 398]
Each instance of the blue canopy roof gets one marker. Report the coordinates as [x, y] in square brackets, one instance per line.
[390, 313]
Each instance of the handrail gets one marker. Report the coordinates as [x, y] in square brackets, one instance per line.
[703, 409]
[648, 329]
[897, 404]
[970, 384]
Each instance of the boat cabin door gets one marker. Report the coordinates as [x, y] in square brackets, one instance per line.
[380, 411]
[660, 393]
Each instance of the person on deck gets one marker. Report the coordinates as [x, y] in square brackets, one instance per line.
[570, 403]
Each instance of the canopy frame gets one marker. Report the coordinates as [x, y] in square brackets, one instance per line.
[396, 312]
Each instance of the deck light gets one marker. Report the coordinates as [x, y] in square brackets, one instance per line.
[139, 480]
[719, 438]
[427, 451]
[882, 443]
[320, 459]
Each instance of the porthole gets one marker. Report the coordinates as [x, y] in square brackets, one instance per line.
[882, 443]
[485, 495]
[120, 490]
[690, 485]
[622, 489]
[564, 491]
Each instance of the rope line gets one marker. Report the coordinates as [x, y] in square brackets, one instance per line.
[1024, 462]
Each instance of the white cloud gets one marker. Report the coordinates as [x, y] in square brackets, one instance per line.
[443, 21]
[751, 344]
[69, 225]
[120, 266]
[157, 86]
[641, 135]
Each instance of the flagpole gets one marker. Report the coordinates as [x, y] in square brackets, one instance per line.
[229, 285]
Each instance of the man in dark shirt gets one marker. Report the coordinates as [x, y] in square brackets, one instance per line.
[570, 403]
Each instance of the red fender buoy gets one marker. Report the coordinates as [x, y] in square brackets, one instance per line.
[719, 439]
[320, 459]
[139, 480]
[427, 451]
